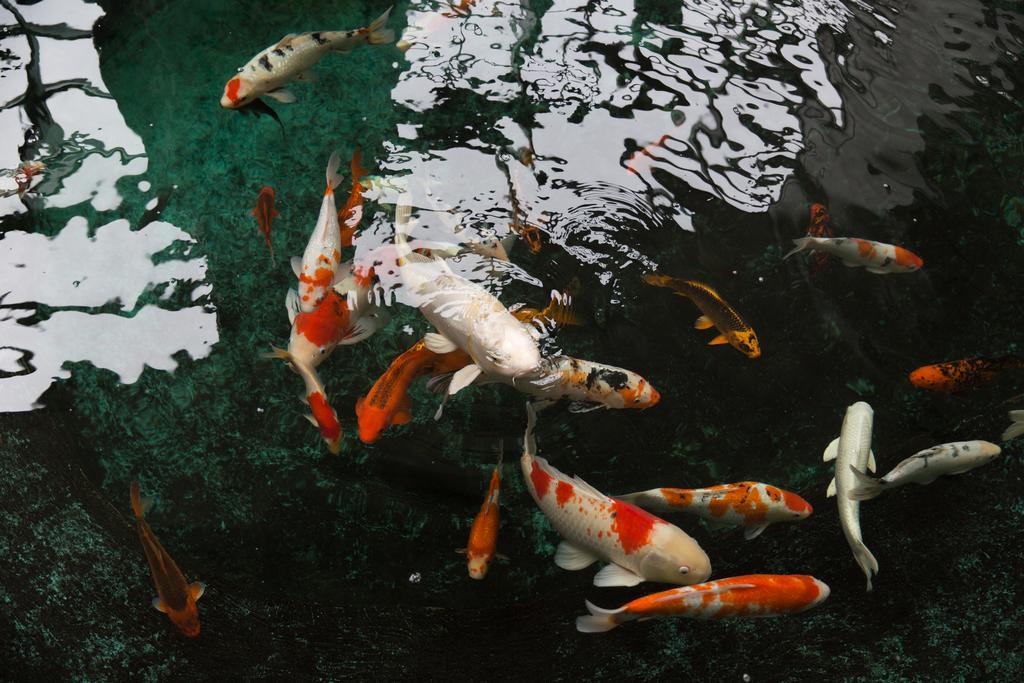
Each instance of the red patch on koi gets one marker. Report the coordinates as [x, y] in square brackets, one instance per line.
[632, 525]
[232, 91]
[541, 479]
[325, 417]
[324, 324]
[563, 492]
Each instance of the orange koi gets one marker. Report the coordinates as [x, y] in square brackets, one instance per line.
[352, 213]
[961, 375]
[754, 595]
[387, 402]
[265, 212]
[716, 313]
[175, 597]
[750, 504]
[559, 311]
[529, 232]
[820, 225]
[483, 536]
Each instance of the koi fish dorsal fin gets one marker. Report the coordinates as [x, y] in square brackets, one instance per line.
[196, 589]
[287, 39]
[831, 451]
[586, 488]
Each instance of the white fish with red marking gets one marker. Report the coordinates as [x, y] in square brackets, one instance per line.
[638, 545]
[291, 58]
[875, 257]
[321, 260]
[926, 466]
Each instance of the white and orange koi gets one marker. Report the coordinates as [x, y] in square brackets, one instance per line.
[322, 257]
[750, 504]
[638, 545]
[322, 415]
[875, 257]
[754, 595]
[291, 58]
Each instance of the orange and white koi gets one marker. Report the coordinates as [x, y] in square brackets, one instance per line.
[292, 57]
[716, 313]
[483, 535]
[590, 386]
[387, 403]
[322, 415]
[875, 257]
[265, 212]
[322, 256]
[960, 375]
[749, 504]
[754, 595]
[638, 545]
[352, 213]
[175, 597]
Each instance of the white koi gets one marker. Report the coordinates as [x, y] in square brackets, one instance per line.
[290, 59]
[926, 466]
[852, 450]
[322, 258]
[638, 545]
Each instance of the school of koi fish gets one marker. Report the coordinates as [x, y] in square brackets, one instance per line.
[477, 340]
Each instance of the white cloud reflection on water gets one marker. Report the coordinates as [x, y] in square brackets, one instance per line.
[112, 267]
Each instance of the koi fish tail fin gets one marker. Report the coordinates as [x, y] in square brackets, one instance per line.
[139, 504]
[866, 487]
[599, 620]
[358, 172]
[1017, 426]
[333, 177]
[867, 562]
[378, 34]
[801, 245]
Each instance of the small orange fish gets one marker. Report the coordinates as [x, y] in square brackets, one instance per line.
[820, 225]
[559, 311]
[352, 213]
[175, 597]
[754, 595]
[387, 402]
[716, 313]
[483, 536]
[265, 213]
[961, 375]
[529, 232]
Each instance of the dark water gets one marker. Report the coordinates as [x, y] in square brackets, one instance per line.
[137, 294]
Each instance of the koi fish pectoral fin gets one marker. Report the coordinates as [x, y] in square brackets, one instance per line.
[584, 406]
[463, 378]
[196, 589]
[831, 451]
[850, 264]
[719, 340]
[573, 558]
[831, 488]
[614, 575]
[282, 95]
[296, 263]
[159, 605]
[871, 461]
[291, 304]
[703, 323]
[752, 532]
[438, 343]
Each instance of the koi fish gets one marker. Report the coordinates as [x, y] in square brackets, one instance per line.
[322, 415]
[466, 317]
[961, 375]
[926, 466]
[852, 450]
[754, 595]
[875, 257]
[558, 312]
[175, 597]
[638, 545]
[22, 177]
[483, 536]
[265, 212]
[820, 226]
[749, 504]
[716, 313]
[322, 256]
[352, 213]
[1016, 427]
[387, 402]
[291, 58]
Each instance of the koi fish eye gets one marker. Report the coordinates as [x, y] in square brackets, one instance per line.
[684, 570]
